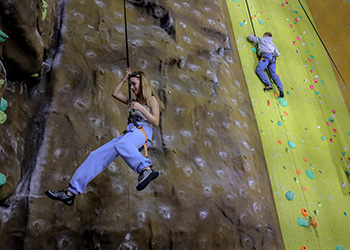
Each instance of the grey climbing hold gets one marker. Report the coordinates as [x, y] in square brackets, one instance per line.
[290, 195]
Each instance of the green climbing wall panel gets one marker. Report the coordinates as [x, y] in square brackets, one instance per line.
[315, 122]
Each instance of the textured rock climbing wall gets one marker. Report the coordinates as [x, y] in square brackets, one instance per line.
[213, 191]
[334, 28]
[306, 135]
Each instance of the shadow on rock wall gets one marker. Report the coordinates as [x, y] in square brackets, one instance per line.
[213, 191]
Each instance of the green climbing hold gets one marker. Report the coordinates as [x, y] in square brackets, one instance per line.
[2, 81]
[322, 82]
[236, 1]
[287, 92]
[296, 12]
[35, 75]
[339, 247]
[323, 138]
[260, 21]
[44, 7]
[313, 166]
[3, 36]
[262, 132]
[319, 204]
[254, 50]
[2, 179]
[296, 179]
[282, 101]
[288, 150]
[3, 104]
[279, 123]
[345, 213]
[309, 174]
[283, 118]
[331, 119]
[290, 195]
[3, 117]
[312, 57]
[302, 222]
[291, 144]
[317, 212]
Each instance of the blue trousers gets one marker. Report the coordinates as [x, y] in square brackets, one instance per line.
[126, 146]
[268, 61]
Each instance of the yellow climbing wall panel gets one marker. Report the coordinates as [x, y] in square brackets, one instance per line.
[307, 142]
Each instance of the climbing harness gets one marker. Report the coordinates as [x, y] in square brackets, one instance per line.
[319, 37]
[132, 118]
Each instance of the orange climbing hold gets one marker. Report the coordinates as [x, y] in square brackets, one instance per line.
[298, 172]
[279, 142]
[275, 94]
[303, 248]
[304, 212]
[305, 159]
[268, 103]
[285, 112]
[314, 223]
[303, 188]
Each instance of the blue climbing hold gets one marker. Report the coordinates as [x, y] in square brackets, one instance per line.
[242, 24]
[291, 144]
[287, 92]
[2, 179]
[317, 92]
[302, 222]
[282, 101]
[309, 174]
[279, 123]
[343, 153]
[331, 119]
[3, 104]
[296, 12]
[3, 36]
[290, 195]
[347, 172]
[312, 57]
[339, 247]
[236, 1]
[254, 50]
[323, 138]
[260, 21]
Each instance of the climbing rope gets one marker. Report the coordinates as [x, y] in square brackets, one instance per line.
[250, 17]
[319, 37]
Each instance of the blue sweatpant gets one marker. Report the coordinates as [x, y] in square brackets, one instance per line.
[268, 61]
[126, 146]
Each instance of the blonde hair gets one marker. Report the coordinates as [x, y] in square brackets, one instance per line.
[147, 89]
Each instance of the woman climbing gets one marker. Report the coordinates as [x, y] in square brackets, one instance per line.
[138, 133]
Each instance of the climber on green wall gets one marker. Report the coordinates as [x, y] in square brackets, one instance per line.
[146, 110]
[268, 53]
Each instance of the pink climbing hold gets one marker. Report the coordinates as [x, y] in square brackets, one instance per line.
[291, 25]
[328, 124]
[334, 111]
[312, 71]
[296, 19]
[294, 42]
[331, 139]
[312, 87]
[298, 38]
[282, 4]
[309, 59]
[315, 80]
[286, 2]
[334, 130]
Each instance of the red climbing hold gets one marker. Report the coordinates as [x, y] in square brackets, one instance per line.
[304, 212]
[268, 103]
[314, 223]
[279, 142]
[285, 112]
[275, 94]
[303, 248]
[298, 172]
[305, 159]
[303, 188]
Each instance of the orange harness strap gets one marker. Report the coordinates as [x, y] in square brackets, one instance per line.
[145, 145]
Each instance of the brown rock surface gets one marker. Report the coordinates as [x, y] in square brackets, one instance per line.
[213, 191]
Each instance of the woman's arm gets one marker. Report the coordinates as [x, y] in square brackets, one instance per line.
[117, 91]
[151, 118]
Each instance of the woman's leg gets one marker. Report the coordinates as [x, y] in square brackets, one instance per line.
[97, 161]
[128, 148]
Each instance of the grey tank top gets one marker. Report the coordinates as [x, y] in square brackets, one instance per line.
[141, 117]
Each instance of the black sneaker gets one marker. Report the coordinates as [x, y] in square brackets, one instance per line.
[145, 177]
[281, 94]
[268, 87]
[61, 196]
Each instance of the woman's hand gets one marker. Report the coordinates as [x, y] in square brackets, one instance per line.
[136, 106]
[127, 73]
